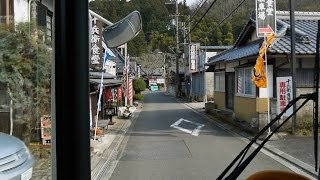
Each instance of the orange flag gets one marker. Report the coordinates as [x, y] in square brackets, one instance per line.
[259, 77]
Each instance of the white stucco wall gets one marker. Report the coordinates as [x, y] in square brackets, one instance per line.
[20, 11]
[230, 66]
[209, 55]
[263, 92]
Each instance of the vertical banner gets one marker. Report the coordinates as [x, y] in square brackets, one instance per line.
[258, 76]
[192, 57]
[97, 51]
[107, 94]
[284, 94]
[119, 94]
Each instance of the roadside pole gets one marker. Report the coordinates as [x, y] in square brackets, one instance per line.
[268, 96]
[8, 14]
[126, 74]
[265, 25]
[164, 72]
[293, 60]
[177, 80]
[177, 50]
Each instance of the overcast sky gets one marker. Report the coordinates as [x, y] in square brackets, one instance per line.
[190, 2]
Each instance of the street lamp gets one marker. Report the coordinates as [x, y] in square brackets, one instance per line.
[164, 70]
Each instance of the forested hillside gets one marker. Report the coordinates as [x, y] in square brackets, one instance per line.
[220, 25]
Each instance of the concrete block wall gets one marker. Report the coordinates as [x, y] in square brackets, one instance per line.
[209, 76]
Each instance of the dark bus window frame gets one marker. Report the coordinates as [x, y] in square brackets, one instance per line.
[70, 86]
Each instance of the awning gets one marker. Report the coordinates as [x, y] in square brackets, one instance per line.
[250, 64]
[210, 69]
[95, 75]
[107, 49]
[107, 82]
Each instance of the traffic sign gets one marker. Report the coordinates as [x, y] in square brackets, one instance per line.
[265, 17]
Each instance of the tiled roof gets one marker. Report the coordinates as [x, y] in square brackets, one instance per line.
[306, 30]
[216, 47]
[237, 53]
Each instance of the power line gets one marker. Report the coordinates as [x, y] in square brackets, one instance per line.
[238, 6]
[195, 12]
[213, 2]
[211, 5]
[232, 12]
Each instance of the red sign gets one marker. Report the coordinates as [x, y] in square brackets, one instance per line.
[284, 94]
[119, 93]
[267, 30]
[108, 94]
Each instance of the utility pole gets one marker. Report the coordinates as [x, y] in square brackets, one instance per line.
[164, 71]
[186, 83]
[126, 76]
[189, 29]
[293, 60]
[177, 46]
[177, 50]
[7, 13]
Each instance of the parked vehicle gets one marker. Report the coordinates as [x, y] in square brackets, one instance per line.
[16, 162]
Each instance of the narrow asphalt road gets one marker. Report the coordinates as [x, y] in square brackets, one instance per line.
[170, 141]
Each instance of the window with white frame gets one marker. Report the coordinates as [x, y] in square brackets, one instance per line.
[49, 27]
[44, 21]
[219, 81]
[244, 84]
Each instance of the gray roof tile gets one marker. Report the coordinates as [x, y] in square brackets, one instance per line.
[306, 31]
[237, 53]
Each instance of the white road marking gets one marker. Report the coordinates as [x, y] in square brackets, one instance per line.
[194, 132]
[177, 123]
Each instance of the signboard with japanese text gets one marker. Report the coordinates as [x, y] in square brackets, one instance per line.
[284, 94]
[160, 81]
[152, 81]
[193, 57]
[97, 51]
[265, 17]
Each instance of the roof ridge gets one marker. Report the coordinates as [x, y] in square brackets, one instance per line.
[299, 15]
[216, 47]
[302, 36]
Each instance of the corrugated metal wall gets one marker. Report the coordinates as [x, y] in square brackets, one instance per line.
[198, 85]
